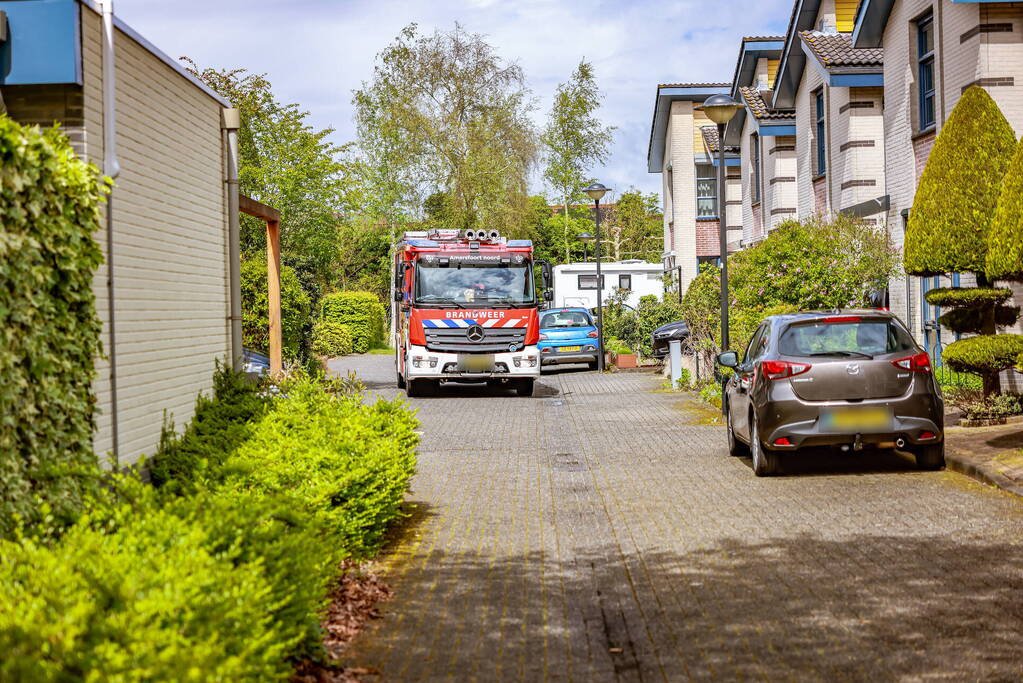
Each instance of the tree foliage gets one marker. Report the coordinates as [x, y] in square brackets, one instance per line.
[49, 332]
[1005, 241]
[955, 200]
[296, 309]
[574, 139]
[633, 227]
[444, 113]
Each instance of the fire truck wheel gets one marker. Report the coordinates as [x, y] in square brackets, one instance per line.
[524, 387]
[401, 381]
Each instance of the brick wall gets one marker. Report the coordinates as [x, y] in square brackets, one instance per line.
[806, 195]
[780, 156]
[708, 238]
[682, 141]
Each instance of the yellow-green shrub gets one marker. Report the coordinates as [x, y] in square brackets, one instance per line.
[1005, 241]
[361, 312]
[331, 338]
[49, 332]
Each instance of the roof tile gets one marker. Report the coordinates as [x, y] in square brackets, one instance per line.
[756, 101]
[836, 50]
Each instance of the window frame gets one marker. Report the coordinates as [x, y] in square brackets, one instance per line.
[757, 172]
[713, 179]
[925, 67]
[820, 133]
[579, 282]
[625, 278]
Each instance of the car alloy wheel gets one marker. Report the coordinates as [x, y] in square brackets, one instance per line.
[764, 463]
[736, 448]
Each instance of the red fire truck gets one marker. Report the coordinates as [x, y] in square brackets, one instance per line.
[466, 310]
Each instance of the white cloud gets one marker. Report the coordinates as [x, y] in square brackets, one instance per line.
[316, 52]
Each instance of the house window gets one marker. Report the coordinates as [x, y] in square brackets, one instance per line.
[754, 142]
[589, 281]
[925, 70]
[822, 150]
[706, 191]
[625, 281]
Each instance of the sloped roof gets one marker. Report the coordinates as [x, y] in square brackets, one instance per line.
[692, 85]
[710, 138]
[834, 50]
[762, 38]
[755, 101]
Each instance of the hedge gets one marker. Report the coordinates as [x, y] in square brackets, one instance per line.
[362, 312]
[296, 309]
[972, 319]
[984, 354]
[228, 583]
[955, 199]
[49, 332]
[1005, 241]
[968, 296]
[331, 338]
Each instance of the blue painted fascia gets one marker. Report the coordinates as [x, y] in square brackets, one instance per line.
[729, 161]
[44, 43]
[859, 80]
[777, 129]
[662, 108]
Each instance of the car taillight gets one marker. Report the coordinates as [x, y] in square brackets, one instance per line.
[543, 337]
[842, 319]
[920, 362]
[780, 369]
[592, 334]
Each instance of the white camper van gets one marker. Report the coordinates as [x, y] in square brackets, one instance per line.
[575, 284]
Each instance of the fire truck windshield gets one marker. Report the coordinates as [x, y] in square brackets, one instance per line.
[474, 283]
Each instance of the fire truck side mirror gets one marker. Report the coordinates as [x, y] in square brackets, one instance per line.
[545, 273]
[548, 295]
[397, 294]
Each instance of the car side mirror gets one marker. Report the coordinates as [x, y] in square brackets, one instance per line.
[728, 359]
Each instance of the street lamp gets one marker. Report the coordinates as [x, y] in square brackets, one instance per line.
[585, 238]
[596, 192]
[720, 109]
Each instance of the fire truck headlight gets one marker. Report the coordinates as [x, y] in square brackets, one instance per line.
[433, 361]
[417, 361]
[527, 361]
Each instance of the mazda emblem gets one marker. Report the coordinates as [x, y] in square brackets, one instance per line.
[474, 333]
[853, 368]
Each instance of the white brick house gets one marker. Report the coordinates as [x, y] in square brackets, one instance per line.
[170, 225]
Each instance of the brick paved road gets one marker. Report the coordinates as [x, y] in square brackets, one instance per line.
[592, 533]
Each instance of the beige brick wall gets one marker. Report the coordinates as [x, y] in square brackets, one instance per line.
[779, 179]
[680, 152]
[746, 157]
[170, 234]
[858, 141]
[806, 143]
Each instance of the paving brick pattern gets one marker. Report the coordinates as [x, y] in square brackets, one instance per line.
[592, 533]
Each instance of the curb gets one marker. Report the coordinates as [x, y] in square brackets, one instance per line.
[982, 472]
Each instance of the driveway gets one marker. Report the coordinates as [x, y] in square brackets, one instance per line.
[595, 532]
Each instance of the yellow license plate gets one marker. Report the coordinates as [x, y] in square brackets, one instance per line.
[857, 419]
[476, 363]
[570, 349]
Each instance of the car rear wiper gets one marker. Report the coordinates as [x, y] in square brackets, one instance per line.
[847, 354]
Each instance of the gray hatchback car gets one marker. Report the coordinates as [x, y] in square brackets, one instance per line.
[839, 378]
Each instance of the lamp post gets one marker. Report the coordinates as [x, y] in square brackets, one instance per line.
[585, 238]
[596, 192]
[720, 109]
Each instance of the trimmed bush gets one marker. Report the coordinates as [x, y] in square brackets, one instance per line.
[973, 320]
[968, 296]
[362, 312]
[958, 190]
[331, 338]
[984, 354]
[222, 421]
[1005, 241]
[348, 464]
[49, 332]
[296, 310]
[149, 601]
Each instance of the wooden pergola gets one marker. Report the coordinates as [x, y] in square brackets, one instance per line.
[272, 217]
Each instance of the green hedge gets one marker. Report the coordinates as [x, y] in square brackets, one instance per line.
[968, 296]
[958, 190]
[971, 320]
[331, 338]
[362, 312]
[984, 354]
[1005, 241]
[296, 309]
[49, 332]
[228, 583]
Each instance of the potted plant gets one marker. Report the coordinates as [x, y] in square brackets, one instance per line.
[621, 354]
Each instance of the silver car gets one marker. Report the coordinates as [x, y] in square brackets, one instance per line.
[840, 378]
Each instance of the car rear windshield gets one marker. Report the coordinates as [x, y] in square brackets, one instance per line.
[566, 319]
[845, 337]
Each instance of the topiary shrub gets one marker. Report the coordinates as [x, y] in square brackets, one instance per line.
[49, 332]
[362, 312]
[331, 338]
[955, 199]
[1005, 241]
[985, 354]
[973, 320]
[222, 421]
[296, 310]
[968, 296]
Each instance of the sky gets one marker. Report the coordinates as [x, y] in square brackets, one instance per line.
[315, 52]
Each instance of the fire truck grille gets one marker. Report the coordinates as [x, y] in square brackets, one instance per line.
[453, 340]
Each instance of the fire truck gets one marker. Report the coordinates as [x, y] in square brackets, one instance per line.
[465, 310]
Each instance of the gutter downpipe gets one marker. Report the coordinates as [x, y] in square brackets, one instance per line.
[112, 169]
[231, 123]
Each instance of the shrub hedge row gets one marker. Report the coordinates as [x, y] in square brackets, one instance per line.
[361, 312]
[331, 338]
[968, 296]
[986, 354]
[229, 581]
[49, 332]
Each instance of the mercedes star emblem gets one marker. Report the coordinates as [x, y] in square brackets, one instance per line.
[474, 333]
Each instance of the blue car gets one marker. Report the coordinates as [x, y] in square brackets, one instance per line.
[567, 335]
